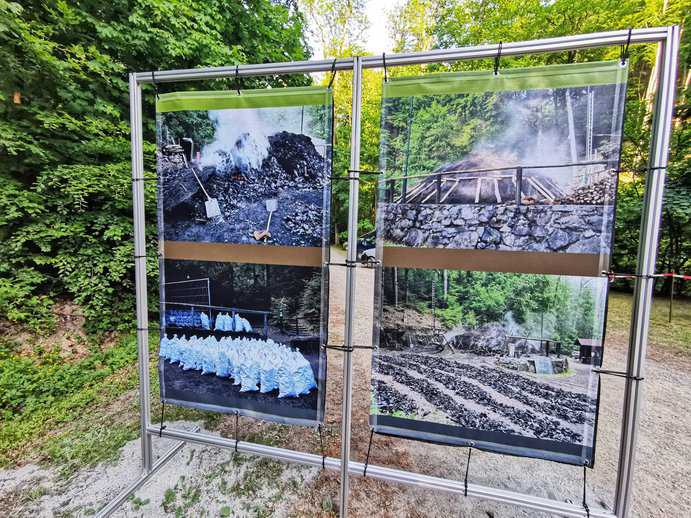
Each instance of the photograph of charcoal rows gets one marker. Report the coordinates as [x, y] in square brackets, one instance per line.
[246, 176]
[526, 170]
[490, 352]
[243, 337]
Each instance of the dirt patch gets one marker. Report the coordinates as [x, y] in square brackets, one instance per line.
[69, 337]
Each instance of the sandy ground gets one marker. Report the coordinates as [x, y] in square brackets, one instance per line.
[201, 481]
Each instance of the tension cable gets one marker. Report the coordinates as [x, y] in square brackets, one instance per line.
[625, 49]
[237, 78]
[153, 82]
[163, 409]
[237, 418]
[612, 276]
[333, 73]
[345, 349]
[585, 503]
[467, 469]
[321, 446]
[497, 58]
[369, 448]
[619, 374]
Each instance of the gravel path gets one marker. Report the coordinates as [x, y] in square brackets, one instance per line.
[202, 481]
[662, 479]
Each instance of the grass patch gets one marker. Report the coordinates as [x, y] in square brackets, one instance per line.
[71, 451]
[85, 437]
[674, 337]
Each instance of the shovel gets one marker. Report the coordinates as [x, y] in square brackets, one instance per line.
[271, 206]
[211, 204]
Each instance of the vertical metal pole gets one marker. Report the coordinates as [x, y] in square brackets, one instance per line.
[647, 254]
[519, 184]
[350, 283]
[140, 268]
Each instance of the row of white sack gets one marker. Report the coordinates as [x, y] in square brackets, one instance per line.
[254, 364]
[225, 322]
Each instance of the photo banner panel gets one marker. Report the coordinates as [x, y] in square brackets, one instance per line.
[495, 221]
[243, 223]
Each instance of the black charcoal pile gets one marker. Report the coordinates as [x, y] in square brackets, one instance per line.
[486, 340]
[305, 218]
[293, 172]
[390, 400]
[597, 193]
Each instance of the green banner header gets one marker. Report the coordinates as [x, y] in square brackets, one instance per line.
[509, 79]
[229, 99]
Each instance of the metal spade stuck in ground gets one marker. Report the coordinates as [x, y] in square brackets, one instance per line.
[213, 210]
[271, 207]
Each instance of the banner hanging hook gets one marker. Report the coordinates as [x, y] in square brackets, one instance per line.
[386, 75]
[333, 73]
[625, 48]
[497, 58]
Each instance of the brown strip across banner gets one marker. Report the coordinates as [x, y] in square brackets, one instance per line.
[235, 253]
[587, 265]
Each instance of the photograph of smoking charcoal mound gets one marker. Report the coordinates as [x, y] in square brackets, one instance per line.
[245, 176]
[501, 359]
[243, 337]
[526, 169]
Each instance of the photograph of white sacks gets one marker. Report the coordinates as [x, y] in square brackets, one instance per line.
[244, 338]
[502, 361]
[247, 169]
[489, 167]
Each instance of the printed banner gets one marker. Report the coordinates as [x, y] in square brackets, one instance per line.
[244, 207]
[494, 224]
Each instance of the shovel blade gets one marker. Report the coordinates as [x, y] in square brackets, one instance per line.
[212, 208]
[271, 205]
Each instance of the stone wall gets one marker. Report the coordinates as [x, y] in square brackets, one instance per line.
[536, 228]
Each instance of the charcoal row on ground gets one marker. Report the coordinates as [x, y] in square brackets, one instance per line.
[575, 401]
[439, 399]
[541, 427]
[389, 400]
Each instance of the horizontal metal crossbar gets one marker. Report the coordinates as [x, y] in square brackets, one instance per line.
[383, 473]
[518, 48]
[668, 37]
[565, 43]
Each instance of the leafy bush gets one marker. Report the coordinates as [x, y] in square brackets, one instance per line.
[31, 384]
[65, 200]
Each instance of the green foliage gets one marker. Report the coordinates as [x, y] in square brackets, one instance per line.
[65, 201]
[28, 385]
[473, 22]
[537, 305]
[191, 124]
[90, 447]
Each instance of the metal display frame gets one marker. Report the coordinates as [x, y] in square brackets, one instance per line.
[667, 39]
